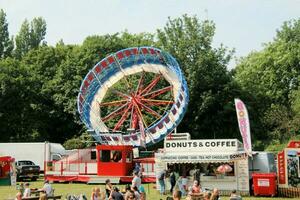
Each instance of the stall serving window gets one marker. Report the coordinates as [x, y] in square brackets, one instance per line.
[110, 156]
[129, 157]
[203, 169]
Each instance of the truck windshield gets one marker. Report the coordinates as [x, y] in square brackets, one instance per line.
[25, 162]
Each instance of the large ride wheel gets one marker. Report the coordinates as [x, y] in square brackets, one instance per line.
[136, 96]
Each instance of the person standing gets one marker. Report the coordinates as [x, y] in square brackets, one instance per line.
[172, 181]
[184, 182]
[161, 180]
[108, 188]
[136, 181]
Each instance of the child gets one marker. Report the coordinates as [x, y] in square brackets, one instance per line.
[27, 191]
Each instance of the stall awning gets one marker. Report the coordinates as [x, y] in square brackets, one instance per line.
[196, 157]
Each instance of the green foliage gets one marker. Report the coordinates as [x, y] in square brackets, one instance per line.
[37, 32]
[83, 141]
[276, 146]
[39, 85]
[6, 44]
[272, 77]
[211, 112]
[30, 36]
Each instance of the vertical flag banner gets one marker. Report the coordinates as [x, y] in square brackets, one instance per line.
[143, 135]
[244, 125]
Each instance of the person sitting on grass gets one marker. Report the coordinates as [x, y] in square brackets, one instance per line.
[215, 194]
[235, 196]
[116, 195]
[142, 192]
[207, 196]
[131, 196]
[196, 188]
[136, 193]
[127, 191]
[96, 195]
[176, 195]
[47, 188]
[18, 196]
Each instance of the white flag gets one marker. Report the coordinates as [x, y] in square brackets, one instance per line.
[244, 125]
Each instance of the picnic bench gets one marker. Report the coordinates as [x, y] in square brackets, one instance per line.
[37, 198]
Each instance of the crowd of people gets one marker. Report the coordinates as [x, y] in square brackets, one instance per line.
[135, 191]
[25, 191]
[190, 191]
[178, 188]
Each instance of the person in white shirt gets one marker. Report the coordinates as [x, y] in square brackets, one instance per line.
[27, 191]
[48, 188]
[136, 181]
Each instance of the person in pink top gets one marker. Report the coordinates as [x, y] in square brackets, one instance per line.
[196, 188]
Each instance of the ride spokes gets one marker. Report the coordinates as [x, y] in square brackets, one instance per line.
[132, 95]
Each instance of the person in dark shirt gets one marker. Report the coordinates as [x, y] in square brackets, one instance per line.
[116, 195]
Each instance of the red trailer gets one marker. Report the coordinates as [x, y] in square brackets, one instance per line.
[7, 171]
[94, 165]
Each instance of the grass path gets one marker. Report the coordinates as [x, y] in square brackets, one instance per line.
[80, 188]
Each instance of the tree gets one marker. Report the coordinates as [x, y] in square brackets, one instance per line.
[37, 32]
[272, 77]
[23, 40]
[15, 111]
[6, 44]
[30, 36]
[211, 112]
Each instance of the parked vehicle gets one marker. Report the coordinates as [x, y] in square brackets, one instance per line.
[39, 153]
[26, 169]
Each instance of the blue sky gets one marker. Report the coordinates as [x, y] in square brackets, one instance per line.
[240, 24]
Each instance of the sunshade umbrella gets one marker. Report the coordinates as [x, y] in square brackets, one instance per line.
[224, 168]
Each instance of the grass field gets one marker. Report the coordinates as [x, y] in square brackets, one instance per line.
[80, 188]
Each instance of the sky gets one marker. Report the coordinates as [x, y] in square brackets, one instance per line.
[241, 24]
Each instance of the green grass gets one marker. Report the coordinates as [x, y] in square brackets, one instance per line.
[80, 188]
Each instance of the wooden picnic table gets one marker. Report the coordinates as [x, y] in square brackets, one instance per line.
[195, 196]
[37, 197]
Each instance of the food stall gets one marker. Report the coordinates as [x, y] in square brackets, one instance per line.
[289, 170]
[220, 163]
[7, 171]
